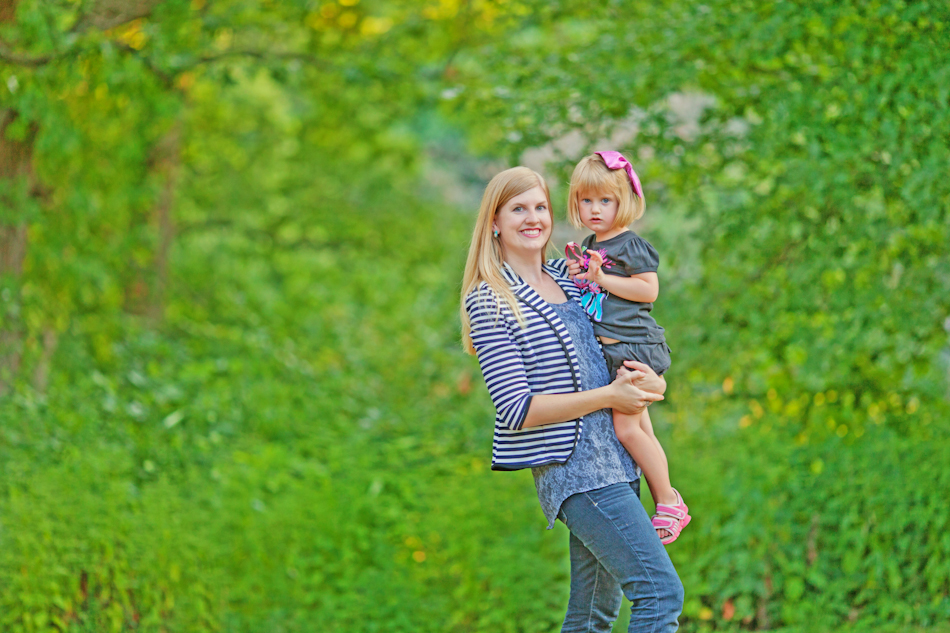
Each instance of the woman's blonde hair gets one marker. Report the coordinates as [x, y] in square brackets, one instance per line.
[485, 255]
[592, 176]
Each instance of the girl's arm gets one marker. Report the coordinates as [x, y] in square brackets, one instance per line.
[642, 288]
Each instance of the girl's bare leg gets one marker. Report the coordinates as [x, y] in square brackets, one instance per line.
[647, 425]
[647, 452]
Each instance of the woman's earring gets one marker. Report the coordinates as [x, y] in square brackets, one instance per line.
[496, 232]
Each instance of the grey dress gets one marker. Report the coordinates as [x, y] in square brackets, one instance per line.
[599, 458]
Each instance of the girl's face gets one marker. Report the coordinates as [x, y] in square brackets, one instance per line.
[524, 223]
[598, 210]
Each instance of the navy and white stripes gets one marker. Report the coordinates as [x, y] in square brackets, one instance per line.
[520, 362]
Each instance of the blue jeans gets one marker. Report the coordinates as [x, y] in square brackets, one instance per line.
[614, 547]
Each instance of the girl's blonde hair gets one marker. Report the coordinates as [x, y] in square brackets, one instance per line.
[486, 257]
[592, 176]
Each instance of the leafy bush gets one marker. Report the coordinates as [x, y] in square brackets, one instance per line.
[816, 536]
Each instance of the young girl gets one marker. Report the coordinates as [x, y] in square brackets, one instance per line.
[616, 269]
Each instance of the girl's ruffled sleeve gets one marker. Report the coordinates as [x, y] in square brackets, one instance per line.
[499, 358]
[639, 256]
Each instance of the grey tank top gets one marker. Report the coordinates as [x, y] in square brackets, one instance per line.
[599, 458]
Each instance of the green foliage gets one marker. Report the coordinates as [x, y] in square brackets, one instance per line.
[810, 189]
[819, 536]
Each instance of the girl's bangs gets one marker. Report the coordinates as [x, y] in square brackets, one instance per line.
[594, 178]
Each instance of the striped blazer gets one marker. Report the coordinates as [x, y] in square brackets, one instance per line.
[520, 362]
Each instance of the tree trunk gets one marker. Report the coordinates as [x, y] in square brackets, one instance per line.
[7, 10]
[16, 174]
[45, 362]
[145, 293]
[167, 165]
[16, 177]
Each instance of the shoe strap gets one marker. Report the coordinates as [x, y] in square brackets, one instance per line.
[671, 511]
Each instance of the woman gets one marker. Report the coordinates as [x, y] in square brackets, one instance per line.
[548, 381]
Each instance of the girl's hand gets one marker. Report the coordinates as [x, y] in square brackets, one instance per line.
[645, 379]
[573, 268]
[628, 397]
[594, 271]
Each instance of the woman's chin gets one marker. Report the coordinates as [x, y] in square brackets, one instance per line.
[527, 248]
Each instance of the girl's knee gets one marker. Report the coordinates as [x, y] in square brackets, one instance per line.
[628, 430]
[629, 437]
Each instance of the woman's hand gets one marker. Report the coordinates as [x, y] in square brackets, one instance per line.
[627, 396]
[646, 378]
[595, 272]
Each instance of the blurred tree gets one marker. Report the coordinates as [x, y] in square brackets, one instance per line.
[93, 87]
[16, 186]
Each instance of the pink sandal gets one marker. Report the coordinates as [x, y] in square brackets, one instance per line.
[671, 518]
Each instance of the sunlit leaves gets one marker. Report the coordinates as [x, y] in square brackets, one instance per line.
[813, 175]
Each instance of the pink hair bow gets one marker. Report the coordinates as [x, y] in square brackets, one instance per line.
[615, 160]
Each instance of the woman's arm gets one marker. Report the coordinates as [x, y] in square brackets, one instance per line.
[505, 377]
[499, 358]
[622, 395]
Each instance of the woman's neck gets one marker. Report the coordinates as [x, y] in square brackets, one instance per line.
[528, 268]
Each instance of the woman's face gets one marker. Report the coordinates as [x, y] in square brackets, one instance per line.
[524, 223]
